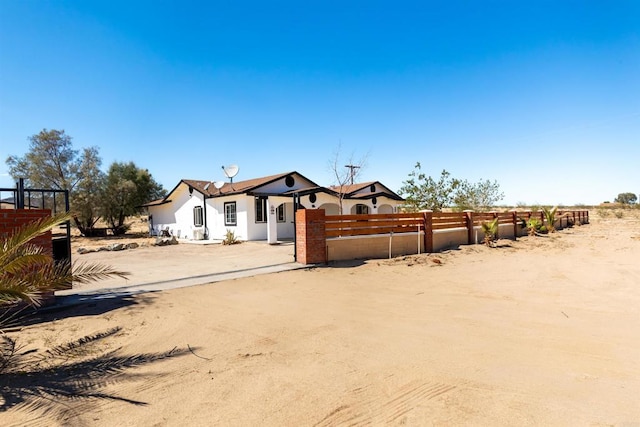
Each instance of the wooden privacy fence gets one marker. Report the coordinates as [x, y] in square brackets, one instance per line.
[321, 238]
[363, 225]
[363, 236]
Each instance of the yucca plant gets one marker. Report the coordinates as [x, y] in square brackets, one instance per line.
[26, 271]
[533, 225]
[550, 218]
[230, 238]
[490, 230]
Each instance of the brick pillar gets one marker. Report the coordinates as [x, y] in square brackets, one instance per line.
[311, 241]
[12, 219]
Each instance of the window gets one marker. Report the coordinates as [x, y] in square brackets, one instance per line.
[362, 209]
[230, 217]
[281, 213]
[261, 209]
[197, 216]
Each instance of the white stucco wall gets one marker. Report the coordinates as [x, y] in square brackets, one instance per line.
[330, 208]
[215, 217]
[280, 186]
[286, 229]
[178, 214]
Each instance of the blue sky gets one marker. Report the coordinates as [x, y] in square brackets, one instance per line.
[543, 97]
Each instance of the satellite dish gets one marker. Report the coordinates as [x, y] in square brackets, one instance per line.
[218, 184]
[231, 171]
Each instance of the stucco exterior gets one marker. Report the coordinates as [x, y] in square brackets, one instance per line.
[273, 196]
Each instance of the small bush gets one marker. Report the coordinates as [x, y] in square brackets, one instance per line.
[230, 238]
[618, 214]
[603, 213]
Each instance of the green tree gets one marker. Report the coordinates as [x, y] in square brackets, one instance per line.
[479, 196]
[127, 188]
[51, 162]
[626, 198]
[86, 198]
[424, 192]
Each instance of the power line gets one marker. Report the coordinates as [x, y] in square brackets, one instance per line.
[352, 171]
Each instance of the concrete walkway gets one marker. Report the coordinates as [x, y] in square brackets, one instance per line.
[169, 267]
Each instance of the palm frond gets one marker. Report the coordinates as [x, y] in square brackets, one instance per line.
[26, 270]
[24, 262]
[23, 235]
[86, 273]
[20, 293]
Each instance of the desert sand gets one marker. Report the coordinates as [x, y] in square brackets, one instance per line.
[539, 331]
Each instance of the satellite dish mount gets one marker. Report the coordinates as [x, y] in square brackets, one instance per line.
[230, 171]
[218, 185]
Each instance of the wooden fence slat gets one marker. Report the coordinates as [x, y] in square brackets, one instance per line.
[427, 222]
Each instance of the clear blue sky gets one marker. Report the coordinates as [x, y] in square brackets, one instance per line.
[542, 96]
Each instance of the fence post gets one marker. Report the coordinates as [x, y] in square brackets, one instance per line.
[18, 201]
[469, 221]
[514, 219]
[427, 217]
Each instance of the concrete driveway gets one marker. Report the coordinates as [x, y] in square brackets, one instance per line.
[167, 267]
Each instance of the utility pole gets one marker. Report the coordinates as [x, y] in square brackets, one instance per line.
[352, 171]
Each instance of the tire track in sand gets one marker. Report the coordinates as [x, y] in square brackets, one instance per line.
[385, 409]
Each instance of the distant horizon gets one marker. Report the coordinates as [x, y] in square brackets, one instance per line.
[544, 98]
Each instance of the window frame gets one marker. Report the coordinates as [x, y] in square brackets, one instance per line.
[262, 203]
[281, 209]
[361, 206]
[198, 214]
[227, 213]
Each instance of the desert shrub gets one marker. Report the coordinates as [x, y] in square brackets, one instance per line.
[230, 238]
[533, 225]
[490, 230]
[618, 214]
[603, 213]
[550, 217]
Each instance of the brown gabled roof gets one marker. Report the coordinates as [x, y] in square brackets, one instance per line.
[209, 190]
[157, 202]
[245, 186]
[350, 190]
[310, 190]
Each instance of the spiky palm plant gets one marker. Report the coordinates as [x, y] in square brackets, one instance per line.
[26, 271]
[490, 230]
[550, 218]
[533, 225]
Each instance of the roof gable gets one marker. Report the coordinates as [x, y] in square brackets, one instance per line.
[272, 184]
[366, 190]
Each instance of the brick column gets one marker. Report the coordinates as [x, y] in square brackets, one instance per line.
[12, 219]
[311, 241]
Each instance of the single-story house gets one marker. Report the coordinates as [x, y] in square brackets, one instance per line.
[260, 208]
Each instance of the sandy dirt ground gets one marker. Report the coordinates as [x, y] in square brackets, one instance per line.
[541, 331]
